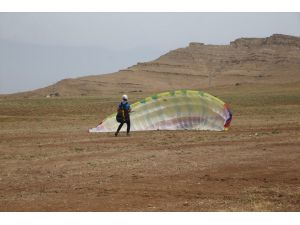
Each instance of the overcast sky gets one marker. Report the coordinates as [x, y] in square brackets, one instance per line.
[39, 49]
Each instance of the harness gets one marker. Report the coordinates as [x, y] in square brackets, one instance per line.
[121, 117]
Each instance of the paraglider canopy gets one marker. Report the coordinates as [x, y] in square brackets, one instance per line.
[175, 110]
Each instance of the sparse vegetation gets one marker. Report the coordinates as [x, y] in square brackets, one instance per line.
[47, 155]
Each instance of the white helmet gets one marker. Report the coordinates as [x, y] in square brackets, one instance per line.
[124, 97]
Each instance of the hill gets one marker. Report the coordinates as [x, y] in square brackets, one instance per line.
[49, 162]
[271, 60]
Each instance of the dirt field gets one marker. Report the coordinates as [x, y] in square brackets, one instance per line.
[49, 162]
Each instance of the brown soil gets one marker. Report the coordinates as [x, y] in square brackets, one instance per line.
[49, 162]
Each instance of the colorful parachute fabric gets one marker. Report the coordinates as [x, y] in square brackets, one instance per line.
[174, 110]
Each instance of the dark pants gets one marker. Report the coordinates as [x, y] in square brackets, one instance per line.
[121, 124]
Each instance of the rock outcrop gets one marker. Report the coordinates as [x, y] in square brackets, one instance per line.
[275, 59]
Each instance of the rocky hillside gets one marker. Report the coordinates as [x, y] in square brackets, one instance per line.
[275, 59]
[272, 59]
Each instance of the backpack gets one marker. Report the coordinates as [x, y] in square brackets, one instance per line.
[123, 114]
[120, 117]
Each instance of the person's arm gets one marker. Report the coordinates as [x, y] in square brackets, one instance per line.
[119, 108]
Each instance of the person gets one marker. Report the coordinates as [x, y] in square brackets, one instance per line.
[123, 114]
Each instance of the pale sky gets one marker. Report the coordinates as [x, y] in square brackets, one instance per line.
[39, 49]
